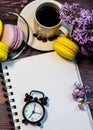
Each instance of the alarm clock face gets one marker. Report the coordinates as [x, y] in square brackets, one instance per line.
[33, 111]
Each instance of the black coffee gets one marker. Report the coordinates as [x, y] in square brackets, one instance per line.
[48, 16]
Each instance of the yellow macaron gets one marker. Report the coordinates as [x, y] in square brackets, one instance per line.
[4, 46]
[3, 51]
[1, 27]
[3, 56]
[66, 47]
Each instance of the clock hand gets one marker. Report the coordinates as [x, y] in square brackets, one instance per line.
[32, 113]
[34, 107]
[38, 113]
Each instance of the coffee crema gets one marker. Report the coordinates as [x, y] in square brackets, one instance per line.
[48, 16]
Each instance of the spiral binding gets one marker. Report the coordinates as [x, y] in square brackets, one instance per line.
[7, 95]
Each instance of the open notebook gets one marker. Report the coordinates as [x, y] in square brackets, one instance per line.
[54, 76]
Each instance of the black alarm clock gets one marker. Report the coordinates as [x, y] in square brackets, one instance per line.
[34, 111]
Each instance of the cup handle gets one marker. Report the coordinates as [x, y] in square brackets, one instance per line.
[62, 31]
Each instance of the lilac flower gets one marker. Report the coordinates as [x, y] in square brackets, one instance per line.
[79, 94]
[82, 21]
[83, 106]
[68, 13]
[83, 33]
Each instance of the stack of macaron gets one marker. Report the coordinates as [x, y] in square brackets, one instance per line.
[11, 37]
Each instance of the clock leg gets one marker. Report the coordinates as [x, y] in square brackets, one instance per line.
[39, 124]
[25, 121]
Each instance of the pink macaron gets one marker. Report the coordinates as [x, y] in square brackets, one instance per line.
[13, 36]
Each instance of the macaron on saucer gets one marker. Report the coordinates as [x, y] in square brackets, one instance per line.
[13, 34]
[1, 27]
[4, 48]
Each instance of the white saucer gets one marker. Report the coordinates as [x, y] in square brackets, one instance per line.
[27, 13]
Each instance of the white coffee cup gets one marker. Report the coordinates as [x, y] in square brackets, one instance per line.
[46, 20]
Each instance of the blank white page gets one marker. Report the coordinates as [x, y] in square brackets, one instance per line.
[54, 76]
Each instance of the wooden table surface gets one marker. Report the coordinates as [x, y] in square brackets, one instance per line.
[85, 65]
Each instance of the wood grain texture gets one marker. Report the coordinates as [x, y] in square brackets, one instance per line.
[85, 65]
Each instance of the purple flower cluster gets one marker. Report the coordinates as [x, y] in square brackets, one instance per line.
[68, 13]
[82, 22]
[79, 94]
